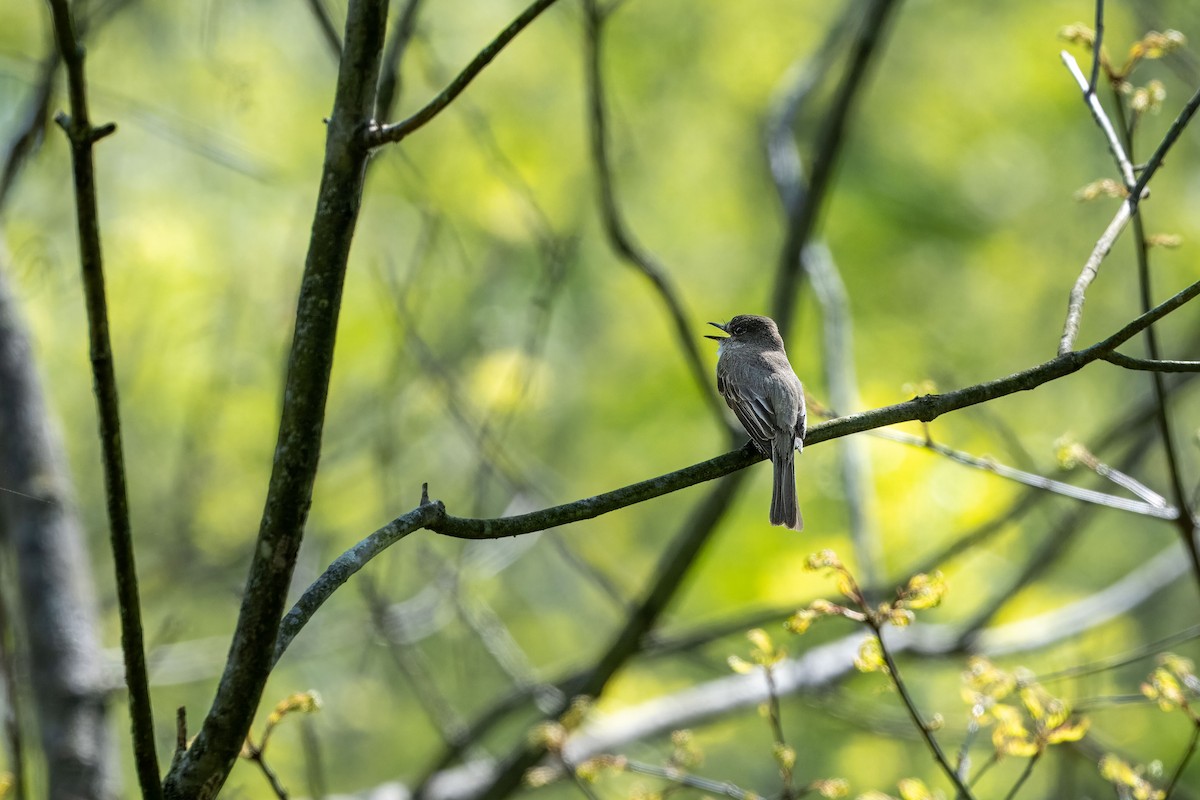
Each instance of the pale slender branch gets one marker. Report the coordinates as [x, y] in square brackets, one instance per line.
[1160, 509]
[1125, 481]
[1093, 104]
[83, 136]
[678, 777]
[1091, 268]
[385, 134]
[1150, 364]
[1119, 221]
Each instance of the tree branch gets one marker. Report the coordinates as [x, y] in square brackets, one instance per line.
[802, 218]
[432, 515]
[384, 134]
[82, 136]
[1120, 220]
[619, 236]
[203, 768]
[1150, 364]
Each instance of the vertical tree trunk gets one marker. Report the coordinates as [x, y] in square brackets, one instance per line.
[41, 530]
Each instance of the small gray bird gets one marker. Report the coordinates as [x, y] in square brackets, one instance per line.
[758, 383]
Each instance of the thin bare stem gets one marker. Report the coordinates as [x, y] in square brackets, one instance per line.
[1097, 48]
[1124, 213]
[1025, 773]
[204, 767]
[691, 781]
[1150, 365]
[1158, 508]
[83, 136]
[1091, 268]
[1186, 523]
[1093, 104]
[620, 238]
[913, 712]
[1188, 753]
[803, 215]
[325, 24]
[395, 132]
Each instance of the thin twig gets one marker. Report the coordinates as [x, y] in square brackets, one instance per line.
[397, 45]
[83, 136]
[1150, 508]
[1186, 523]
[1097, 48]
[1091, 268]
[1120, 220]
[205, 766]
[913, 712]
[1150, 364]
[1188, 753]
[395, 132]
[620, 237]
[1025, 773]
[1093, 104]
[691, 781]
[325, 24]
[830, 139]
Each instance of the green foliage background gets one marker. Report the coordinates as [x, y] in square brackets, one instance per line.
[952, 221]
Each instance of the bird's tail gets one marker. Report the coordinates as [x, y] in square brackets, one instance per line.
[785, 509]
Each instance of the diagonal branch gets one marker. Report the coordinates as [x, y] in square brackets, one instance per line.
[385, 134]
[830, 140]
[1120, 220]
[620, 238]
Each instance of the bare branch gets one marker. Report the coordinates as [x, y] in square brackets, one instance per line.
[82, 136]
[1149, 364]
[207, 762]
[1090, 269]
[384, 134]
[1124, 213]
[325, 23]
[1093, 104]
[1159, 510]
[619, 235]
[802, 218]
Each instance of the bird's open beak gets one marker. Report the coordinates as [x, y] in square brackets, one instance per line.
[719, 326]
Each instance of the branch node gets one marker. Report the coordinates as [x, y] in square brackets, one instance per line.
[108, 129]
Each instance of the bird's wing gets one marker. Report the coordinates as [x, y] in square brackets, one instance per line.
[750, 407]
[785, 395]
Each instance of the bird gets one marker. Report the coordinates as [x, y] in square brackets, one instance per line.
[758, 383]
